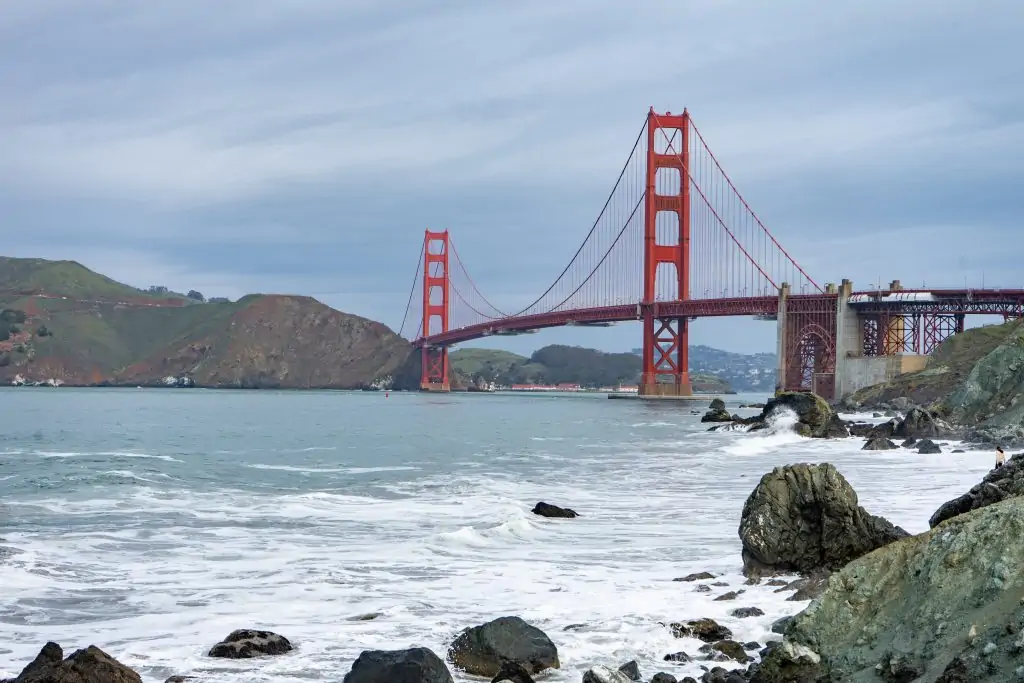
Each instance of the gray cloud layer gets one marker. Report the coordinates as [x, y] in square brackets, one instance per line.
[303, 147]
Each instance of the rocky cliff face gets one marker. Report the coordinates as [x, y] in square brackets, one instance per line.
[944, 606]
[991, 393]
[969, 375]
[279, 341]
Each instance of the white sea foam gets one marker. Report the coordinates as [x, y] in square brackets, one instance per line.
[105, 454]
[433, 551]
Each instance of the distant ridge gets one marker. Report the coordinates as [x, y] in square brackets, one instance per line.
[82, 328]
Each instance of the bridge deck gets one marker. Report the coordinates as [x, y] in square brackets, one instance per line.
[939, 301]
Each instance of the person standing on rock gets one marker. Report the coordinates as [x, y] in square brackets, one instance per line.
[1000, 457]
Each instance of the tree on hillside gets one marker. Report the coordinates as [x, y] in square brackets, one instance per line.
[193, 294]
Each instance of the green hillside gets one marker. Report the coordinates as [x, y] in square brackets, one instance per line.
[63, 322]
[62, 278]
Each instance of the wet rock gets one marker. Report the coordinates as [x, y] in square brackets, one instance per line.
[776, 582]
[548, 510]
[878, 444]
[805, 517]
[999, 484]
[716, 404]
[179, 679]
[908, 443]
[752, 645]
[707, 630]
[877, 415]
[575, 627]
[481, 650]
[716, 416]
[731, 595]
[882, 431]
[959, 450]
[732, 650]
[815, 417]
[746, 612]
[920, 424]
[720, 675]
[662, 677]
[369, 616]
[702, 588]
[779, 625]
[602, 674]
[860, 428]
[631, 670]
[928, 447]
[720, 583]
[678, 657]
[513, 673]
[91, 665]
[416, 665]
[247, 643]
[699, 576]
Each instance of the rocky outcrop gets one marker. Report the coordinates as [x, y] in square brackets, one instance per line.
[247, 643]
[940, 606]
[878, 444]
[416, 665]
[928, 447]
[998, 485]
[708, 630]
[548, 510]
[920, 424]
[717, 412]
[481, 650]
[804, 518]
[91, 665]
[815, 418]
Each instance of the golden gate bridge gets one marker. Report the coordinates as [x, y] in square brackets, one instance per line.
[675, 241]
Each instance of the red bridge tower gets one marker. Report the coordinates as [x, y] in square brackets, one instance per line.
[666, 369]
[436, 285]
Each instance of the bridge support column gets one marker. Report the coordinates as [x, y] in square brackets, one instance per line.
[434, 360]
[666, 368]
[849, 337]
[780, 339]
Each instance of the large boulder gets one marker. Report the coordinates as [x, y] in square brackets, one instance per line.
[416, 665]
[717, 412]
[920, 424]
[805, 518]
[91, 665]
[548, 510]
[815, 418]
[940, 606]
[481, 650]
[999, 484]
[704, 629]
[246, 643]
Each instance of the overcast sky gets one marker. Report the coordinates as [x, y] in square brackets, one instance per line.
[302, 147]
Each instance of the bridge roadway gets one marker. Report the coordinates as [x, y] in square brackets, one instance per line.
[1007, 302]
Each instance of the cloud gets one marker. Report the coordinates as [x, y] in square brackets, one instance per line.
[304, 147]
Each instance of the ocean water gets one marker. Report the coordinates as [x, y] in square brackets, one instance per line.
[154, 522]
